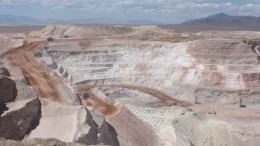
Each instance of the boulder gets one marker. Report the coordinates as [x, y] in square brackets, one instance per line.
[107, 133]
[20, 118]
[66, 123]
[24, 91]
[73, 124]
[7, 89]
[2, 108]
[4, 71]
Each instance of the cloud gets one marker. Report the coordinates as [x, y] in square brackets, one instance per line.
[182, 9]
[162, 6]
[5, 2]
[250, 6]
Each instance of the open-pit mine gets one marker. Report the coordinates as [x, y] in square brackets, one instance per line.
[129, 85]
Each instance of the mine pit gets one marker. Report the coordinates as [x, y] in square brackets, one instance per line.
[114, 85]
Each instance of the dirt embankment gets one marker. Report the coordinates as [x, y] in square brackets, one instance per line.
[38, 76]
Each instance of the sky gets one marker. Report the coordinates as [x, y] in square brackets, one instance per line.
[164, 11]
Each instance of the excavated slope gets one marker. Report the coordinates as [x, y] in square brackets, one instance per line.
[134, 84]
[214, 70]
[60, 105]
[140, 75]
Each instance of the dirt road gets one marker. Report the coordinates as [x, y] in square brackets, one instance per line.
[37, 74]
[167, 100]
[107, 109]
[110, 110]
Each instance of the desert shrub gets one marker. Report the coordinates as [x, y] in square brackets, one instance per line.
[65, 36]
[50, 39]
[242, 106]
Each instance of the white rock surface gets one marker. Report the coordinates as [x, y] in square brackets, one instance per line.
[64, 122]
[72, 124]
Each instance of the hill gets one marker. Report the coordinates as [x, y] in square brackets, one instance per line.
[224, 19]
[219, 22]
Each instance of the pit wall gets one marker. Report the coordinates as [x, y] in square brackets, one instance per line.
[69, 96]
[226, 73]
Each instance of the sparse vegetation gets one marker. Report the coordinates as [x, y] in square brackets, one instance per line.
[196, 100]
[212, 113]
[241, 105]
[50, 39]
[45, 47]
[65, 36]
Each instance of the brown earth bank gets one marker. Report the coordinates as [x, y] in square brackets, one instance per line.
[37, 75]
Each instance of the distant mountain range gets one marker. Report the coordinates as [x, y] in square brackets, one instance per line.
[22, 20]
[224, 19]
[218, 22]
